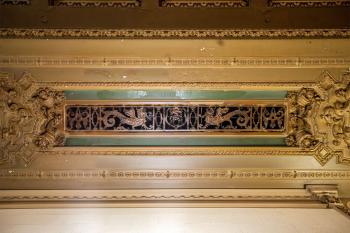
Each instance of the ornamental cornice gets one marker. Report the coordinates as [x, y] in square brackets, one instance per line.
[329, 195]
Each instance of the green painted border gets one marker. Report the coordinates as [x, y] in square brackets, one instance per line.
[174, 141]
[172, 95]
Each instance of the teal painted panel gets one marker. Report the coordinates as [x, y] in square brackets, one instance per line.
[172, 95]
[174, 141]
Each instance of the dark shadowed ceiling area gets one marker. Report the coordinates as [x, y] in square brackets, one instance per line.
[175, 14]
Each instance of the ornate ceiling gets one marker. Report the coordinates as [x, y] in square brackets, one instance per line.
[228, 95]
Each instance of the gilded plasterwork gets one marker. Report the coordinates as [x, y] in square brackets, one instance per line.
[308, 3]
[154, 195]
[174, 62]
[171, 33]
[204, 3]
[189, 174]
[95, 3]
[33, 121]
[30, 119]
[320, 119]
[329, 195]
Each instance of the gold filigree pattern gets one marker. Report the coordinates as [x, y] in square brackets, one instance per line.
[320, 119]
[30, 119]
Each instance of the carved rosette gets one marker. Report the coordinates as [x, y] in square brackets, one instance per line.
[31, 119]
[319, 119]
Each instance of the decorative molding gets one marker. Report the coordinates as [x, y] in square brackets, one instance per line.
[30, 119]
[195, 174]
[95, 3]
[183, 117]
[319, 119]
[204, 3]
[313, 112]
[156, 195]
[173, 33]
[15, 2]
[308, 3]
[329, 195]
[180, 151]
[174, 85]
[175, 62]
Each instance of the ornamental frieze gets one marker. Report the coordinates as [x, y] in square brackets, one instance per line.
[203, 3]
[167, 118]
[308, 3]
[95, 3]
[314, 120]
[30, 119]
[14, 2]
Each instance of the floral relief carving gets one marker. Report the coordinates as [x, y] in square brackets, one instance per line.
[30, 120]
[319, 119]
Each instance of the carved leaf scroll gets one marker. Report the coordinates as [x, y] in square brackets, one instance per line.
[30, 119]
[167, 118]
[319, 119]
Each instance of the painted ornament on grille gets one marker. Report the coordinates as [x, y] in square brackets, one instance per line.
[251, 118]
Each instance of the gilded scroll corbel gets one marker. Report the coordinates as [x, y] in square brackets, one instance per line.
[329, 195]
[30, 119]
[319, 119]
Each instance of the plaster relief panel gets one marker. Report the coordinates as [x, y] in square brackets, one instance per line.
[320, 119]
[30, 119]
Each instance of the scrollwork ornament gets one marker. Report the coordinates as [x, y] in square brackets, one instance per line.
[319, 119]
[329, 195]
[30, 119]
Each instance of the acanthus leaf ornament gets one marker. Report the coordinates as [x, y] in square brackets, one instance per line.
[30, 119]
[319, 119]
